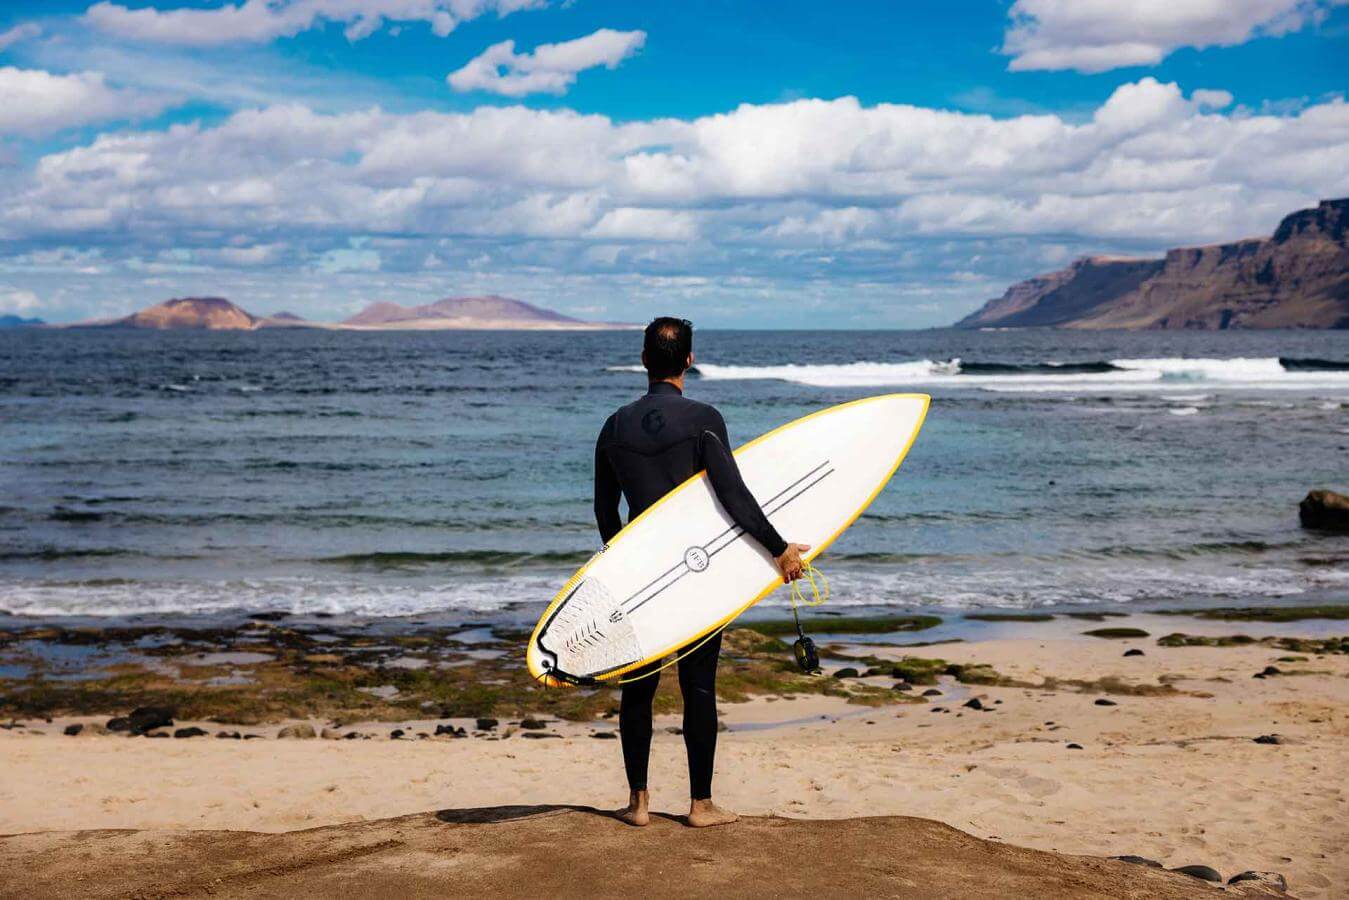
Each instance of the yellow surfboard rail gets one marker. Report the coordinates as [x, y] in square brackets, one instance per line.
[775, 583]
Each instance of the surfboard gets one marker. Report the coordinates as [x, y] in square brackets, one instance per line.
[683, 569]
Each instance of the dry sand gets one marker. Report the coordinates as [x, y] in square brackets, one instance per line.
[1177, 778]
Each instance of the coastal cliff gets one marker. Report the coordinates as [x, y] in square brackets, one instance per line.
[1297, 278]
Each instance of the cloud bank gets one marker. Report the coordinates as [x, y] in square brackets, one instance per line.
[1097, 35]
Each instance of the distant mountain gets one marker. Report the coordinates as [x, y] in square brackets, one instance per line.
[1298, 278]
[286, 317]
[466, 313]
[9, 320]
[206, 313]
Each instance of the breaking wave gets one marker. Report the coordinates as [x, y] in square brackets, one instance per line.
[1259, 373]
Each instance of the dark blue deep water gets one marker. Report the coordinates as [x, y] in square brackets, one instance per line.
[413, 473]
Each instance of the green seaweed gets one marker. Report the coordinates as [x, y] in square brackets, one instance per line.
[1263, 613]
[1117, 633]
[848, 625]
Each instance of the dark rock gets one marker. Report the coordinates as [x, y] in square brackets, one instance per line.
[396, 734]
[190, 732]
[847, 672]
[903, 686]
[540, 734]
[1133, 652]
[931, 692]
[118, 723]
[1324, 510]
[487, 724]
[252, 737]
[1104, 702]
[1139, 861]
[604, 735]
[1268, 879]
[1271, 670]
[451, 731]
[973, 703]
[1270, 739]
[1074, 746]
[268, 616]
[1207, 873]
[73, 730]
[146, 718]
[1258, 675]
[673, 729]
[937, 709]
[533, 724]
[351, 736]
[230, 735]
[876, 670]
[156, 734]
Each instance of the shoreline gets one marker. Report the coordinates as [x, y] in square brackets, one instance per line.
[1050, 739]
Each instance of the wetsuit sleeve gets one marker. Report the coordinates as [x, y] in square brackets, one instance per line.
[714, 447]
[607, 490]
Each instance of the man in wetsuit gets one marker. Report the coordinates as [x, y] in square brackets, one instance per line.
[644, 451]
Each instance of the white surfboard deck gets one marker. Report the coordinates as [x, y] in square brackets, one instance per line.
[682, 569]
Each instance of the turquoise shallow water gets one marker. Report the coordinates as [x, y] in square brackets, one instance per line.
[430, 473]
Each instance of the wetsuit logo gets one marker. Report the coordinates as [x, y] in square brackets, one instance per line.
[696, 559]
[653, 422]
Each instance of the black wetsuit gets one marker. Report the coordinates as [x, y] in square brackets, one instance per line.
[644, 451]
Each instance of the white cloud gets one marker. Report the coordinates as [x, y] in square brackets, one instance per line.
[18, 33]
[550, 69]
[1096, 35]
[782, 194]
[260, 21]
[37, 102]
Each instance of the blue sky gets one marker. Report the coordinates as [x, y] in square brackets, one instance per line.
[794, 164]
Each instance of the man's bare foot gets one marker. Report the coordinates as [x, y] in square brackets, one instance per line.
[705, 813]
[635, 813]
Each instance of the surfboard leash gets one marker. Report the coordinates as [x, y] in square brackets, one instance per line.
[807, 656]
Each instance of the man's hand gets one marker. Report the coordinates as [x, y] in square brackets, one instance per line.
[789, 563]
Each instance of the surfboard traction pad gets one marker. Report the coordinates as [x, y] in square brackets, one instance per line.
[590, 634]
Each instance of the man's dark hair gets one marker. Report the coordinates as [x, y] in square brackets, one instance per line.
[668, 344]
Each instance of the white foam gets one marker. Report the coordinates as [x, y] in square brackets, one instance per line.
[1130, 375]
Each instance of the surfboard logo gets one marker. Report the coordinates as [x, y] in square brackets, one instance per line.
[696, 559]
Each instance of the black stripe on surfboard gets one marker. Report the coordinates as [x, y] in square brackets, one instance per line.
[740, 533]
[736, 528]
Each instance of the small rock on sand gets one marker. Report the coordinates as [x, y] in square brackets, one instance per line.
[229, 735]
[487, 724]
[1271, 739]
[451, 731]
[1133, 652]
[190, 732]
[540, 734]
[847, 672]
[302, 731]
[533, 724]
[396, 734]
[903, 686]
[1074, 746]
[604, 735]
[1139, 861]
[974, 703]
[147, 718]
[931, 692]
[1104, 702]
[73, 730]
[1269, 879]
[1207, 873]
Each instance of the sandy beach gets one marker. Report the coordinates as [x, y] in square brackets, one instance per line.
[1154, 755]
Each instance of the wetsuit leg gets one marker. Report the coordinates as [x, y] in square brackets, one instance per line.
[634, 726]
[698, 684]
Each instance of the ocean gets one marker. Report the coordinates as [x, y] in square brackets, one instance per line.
[386, 474]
